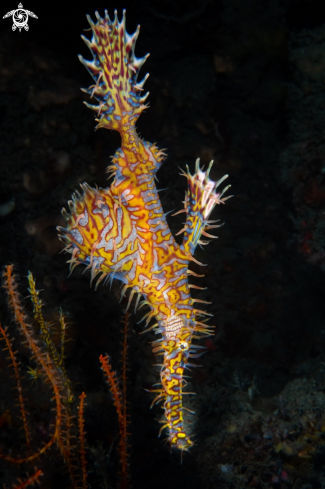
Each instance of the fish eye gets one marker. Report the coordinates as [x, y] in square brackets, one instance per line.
[183, 345]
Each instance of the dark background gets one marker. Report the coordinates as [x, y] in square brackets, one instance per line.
[238, 82]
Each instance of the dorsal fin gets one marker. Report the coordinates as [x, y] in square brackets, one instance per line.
[115, 69]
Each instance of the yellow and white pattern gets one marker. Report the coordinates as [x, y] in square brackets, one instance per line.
[121, 232]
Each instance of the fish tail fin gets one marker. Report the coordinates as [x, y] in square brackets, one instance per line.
[115, 69]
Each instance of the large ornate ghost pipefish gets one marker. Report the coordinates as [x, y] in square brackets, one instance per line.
[121, 232]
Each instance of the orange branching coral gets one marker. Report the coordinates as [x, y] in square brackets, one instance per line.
[82, 450]
[49, 372]
[124, 362]
[45, 336]
[50, 369]
[120, 406]
[44, 362]
[13, 358]
[33, 479]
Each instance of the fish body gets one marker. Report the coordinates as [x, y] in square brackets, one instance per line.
[121, 232]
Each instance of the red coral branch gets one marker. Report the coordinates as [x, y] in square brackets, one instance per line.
[14, 363]
[82, 433]
[121, 413]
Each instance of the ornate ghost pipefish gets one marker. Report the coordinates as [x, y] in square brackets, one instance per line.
[121, 232]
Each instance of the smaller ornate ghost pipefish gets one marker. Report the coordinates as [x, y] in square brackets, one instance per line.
[121, 232]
